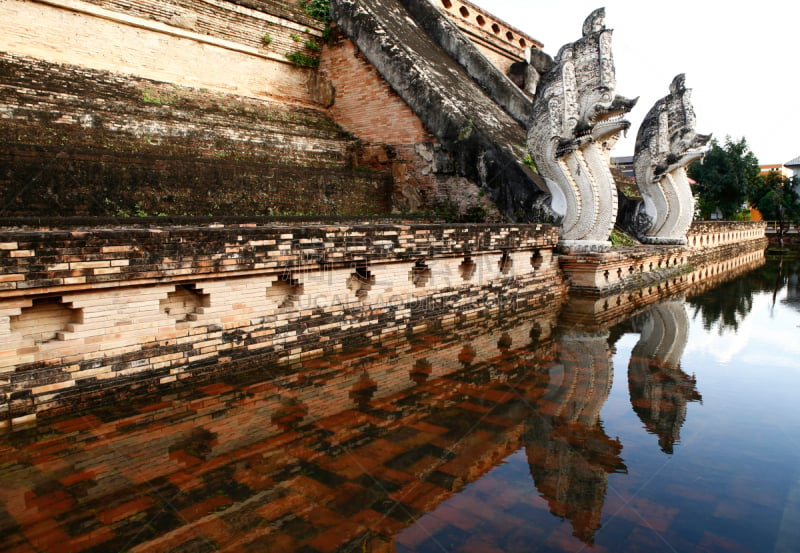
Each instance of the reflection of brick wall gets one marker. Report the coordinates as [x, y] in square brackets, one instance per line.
[148, 305]
[227, 459]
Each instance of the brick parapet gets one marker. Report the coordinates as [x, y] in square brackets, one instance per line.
[711, 234]
[502, 43]
[632, 267]
[85, 311]
[57, 260]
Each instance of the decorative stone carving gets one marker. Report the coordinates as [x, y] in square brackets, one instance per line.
[576, 119]
[665, 145]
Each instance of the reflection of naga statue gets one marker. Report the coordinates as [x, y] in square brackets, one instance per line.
[665, 146]
[576, 120]
[659, 388]
[569, 454]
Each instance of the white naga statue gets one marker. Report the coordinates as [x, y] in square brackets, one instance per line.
[665, 145]
[576, 120]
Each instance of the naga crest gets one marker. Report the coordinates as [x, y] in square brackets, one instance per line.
[665, 145]
[576, 119]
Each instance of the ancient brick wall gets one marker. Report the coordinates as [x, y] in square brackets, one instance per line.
[89, 310]
[365, 104]
[217, 45]
[137, 107]
[76, 141]
[502, 43]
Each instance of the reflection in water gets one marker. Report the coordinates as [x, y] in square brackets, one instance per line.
[569, 454]
[789, 276]
[378, 450]
[725, 306]
[659, 389]
[336, 454]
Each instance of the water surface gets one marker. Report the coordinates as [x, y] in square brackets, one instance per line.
[671, 428]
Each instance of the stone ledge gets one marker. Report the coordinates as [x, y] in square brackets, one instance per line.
[54, 261]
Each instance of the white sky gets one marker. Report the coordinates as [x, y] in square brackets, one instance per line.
[741, 59]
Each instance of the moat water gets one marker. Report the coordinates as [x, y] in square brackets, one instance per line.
[672, 428]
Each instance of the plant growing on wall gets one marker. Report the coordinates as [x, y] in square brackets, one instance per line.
[157, 98]
[266, 40]
[302, 60]
[318, 9]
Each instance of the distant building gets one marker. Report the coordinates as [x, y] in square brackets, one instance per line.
[624, 164]
[782, 169]
[794, 166]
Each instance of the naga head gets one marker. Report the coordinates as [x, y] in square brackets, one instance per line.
[575, 119]
[685, 145]
[579, 91]
[668, 131]
[601, 110]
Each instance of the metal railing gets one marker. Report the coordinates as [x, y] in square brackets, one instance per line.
[788, 228]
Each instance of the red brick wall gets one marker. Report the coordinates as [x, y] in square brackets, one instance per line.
[365, 104]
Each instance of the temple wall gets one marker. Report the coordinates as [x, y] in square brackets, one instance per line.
[76, 141]
[85, 311]
[502, 43]
[131, 108]
[216, 45]
[136, 107]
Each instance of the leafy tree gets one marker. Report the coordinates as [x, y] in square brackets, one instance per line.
[725, 177]
[776, 197]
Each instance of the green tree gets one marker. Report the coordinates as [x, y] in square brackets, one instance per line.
[776, 197]
[725, 177]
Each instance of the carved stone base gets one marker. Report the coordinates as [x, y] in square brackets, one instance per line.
[583, 246]
[663, 241]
